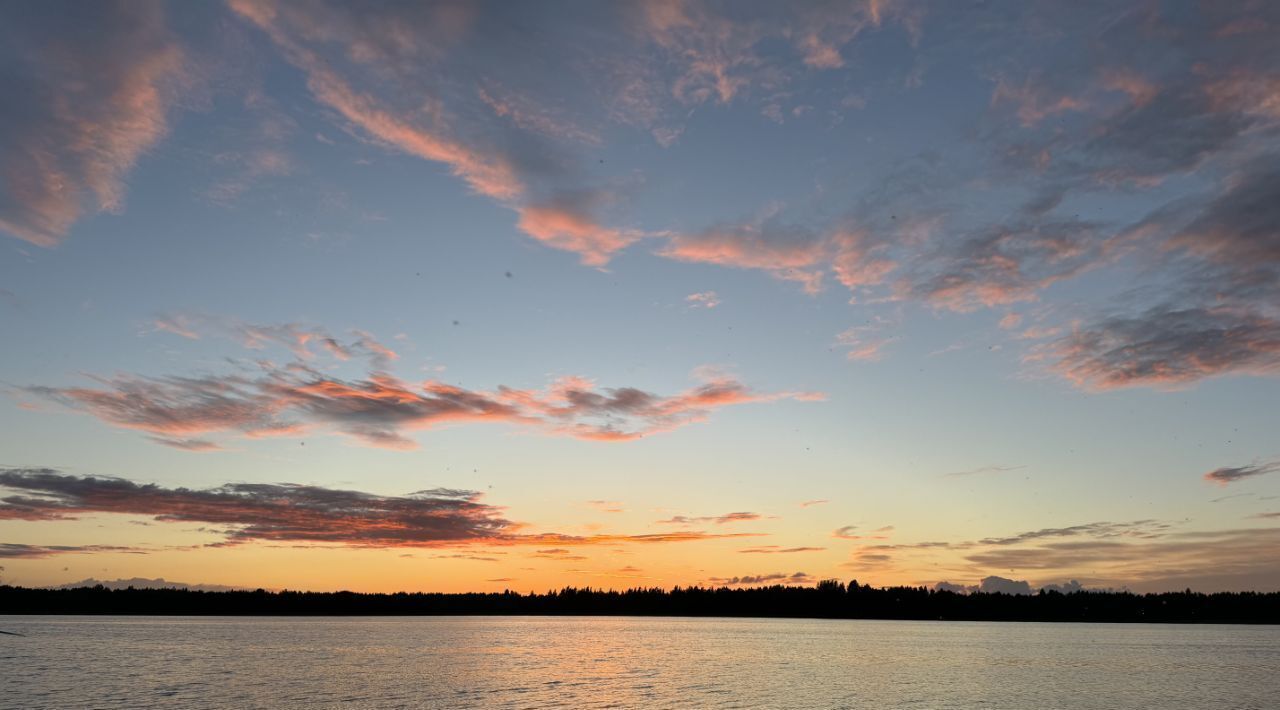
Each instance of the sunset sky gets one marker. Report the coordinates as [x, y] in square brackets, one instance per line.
[474, 296]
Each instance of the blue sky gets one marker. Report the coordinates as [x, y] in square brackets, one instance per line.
[996, 283]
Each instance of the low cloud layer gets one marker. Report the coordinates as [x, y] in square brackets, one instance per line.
[285, 513]
[16, 550]
[1143, 555]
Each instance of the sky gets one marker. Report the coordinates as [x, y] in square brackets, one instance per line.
[476, 296]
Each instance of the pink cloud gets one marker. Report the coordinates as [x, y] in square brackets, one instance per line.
[727, 518]
[704, 299]
[787, 253]
[1138, 88]
[100, 102]
[855, 262]
[864, 342]
[850, 532]
[1033, 100]
[563, 224]
[382, 409]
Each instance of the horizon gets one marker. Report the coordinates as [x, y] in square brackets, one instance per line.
[829, 599]
[993, 584]
[461, 297]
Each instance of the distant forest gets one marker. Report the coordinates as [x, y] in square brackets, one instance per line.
[830, 599]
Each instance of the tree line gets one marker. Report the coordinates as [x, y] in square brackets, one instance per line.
[830, 599]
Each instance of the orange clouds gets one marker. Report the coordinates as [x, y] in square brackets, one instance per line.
[382, 409]
[856, 262]
[789, 253]
[563, 225]
[487, 173]
[563, 221]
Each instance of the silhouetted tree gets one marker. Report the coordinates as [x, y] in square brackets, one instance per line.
[829, 599]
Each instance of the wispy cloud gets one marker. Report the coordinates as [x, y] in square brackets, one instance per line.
[380, 410]
[1230, 474]
[704, 299]
[426, 136]
[303, 341]
[557, 553]
[776, 550]
[850, 532]
[863, 343]
[787, 252]
[14, 550]
[96, 85]
[725, 519]
[984, 470]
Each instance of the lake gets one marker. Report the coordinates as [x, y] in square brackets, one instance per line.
[613, 662]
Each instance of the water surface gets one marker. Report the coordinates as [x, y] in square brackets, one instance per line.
[609, 662]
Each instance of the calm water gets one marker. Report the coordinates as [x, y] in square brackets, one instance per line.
[580, 662]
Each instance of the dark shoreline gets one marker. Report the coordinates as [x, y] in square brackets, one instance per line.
[829, 600]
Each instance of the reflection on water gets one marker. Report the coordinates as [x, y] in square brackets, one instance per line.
[580, 662]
